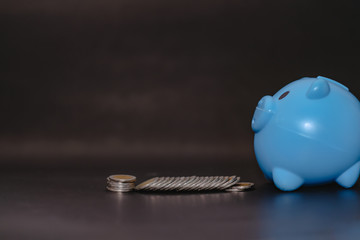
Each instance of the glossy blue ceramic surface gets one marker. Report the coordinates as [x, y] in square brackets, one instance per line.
[308, 133]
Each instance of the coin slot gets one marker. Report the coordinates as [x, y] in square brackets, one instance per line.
[284, 95]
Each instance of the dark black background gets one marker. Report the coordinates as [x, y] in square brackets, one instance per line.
[159, 78]
[91, 88]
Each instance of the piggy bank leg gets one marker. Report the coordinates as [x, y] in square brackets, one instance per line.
[349, 177]
[286, 180]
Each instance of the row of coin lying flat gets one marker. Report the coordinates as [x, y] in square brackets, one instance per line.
[191, 183]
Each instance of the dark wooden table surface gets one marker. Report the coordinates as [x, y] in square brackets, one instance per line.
[71, 203]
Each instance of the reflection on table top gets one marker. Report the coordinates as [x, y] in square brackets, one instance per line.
[75, 205]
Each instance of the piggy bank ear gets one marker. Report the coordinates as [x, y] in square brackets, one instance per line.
[319, 88]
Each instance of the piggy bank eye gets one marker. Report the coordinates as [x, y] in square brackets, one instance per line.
[284, 95]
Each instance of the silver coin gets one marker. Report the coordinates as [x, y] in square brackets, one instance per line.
[212, 185]
[197, 185]
[152, 186]
[162, 184]
[173, 184]
[221, 183]
[145, 184]
[119, 184]
[232, 181]
[204, 182]
[182, 182]
[122, 186]
[241, 186]
[224, 181]
[176, 183]
[122, 178]
[192, 186]
[165, 184]
[159, 183]
[227, 180]
[179, 182]
[118, 190]
[244, 185]
[186, 185]
[234, 190]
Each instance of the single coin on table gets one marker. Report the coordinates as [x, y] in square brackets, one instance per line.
[122, 178]
[240, 186]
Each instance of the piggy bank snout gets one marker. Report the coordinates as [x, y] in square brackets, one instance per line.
[263, 113]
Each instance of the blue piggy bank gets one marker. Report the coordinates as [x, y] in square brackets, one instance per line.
[308, 133]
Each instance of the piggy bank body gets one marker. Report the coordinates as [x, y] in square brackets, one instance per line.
[308, 133]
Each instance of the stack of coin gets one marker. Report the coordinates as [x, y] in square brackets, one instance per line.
[121, 183]
[192, 183]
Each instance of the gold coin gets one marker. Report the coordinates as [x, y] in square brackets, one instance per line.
[122, 178]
